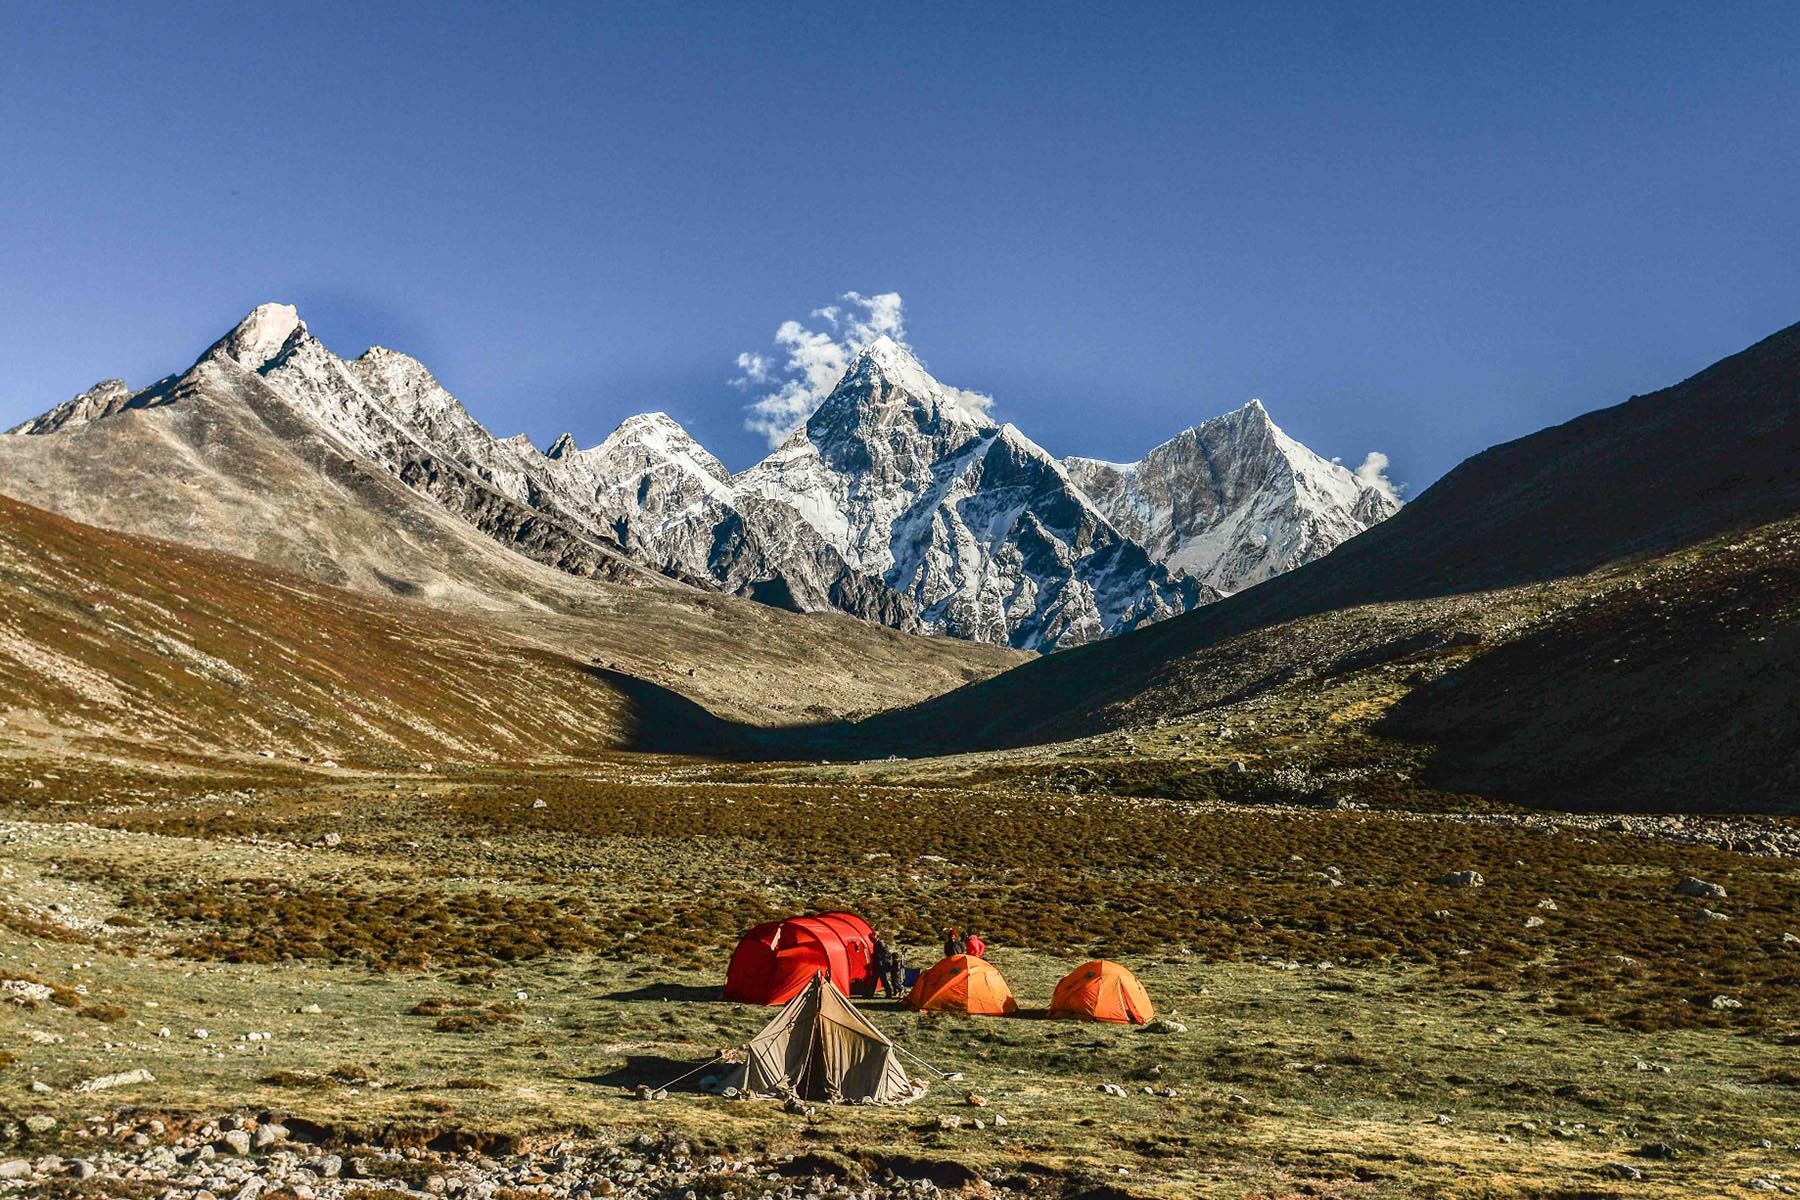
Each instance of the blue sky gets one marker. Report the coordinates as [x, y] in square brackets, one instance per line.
[1420, 228]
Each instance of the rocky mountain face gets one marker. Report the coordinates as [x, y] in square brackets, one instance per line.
[1572, 510]
[1233, 501]
[899, 501]
[969, 521]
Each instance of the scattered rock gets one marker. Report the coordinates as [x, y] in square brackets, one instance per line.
[326, 1166]
[1461, 879]
[23, 991]
[40, 1122]
[1726, 1002]
[1620, 1170]
[15, 1168]
[540, 804]
[235, 1141]
[100, 1083]
[1700, 888]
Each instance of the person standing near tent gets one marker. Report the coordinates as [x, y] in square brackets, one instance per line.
[881, 960]
[896, 977]
[975, 947]
[953, 943]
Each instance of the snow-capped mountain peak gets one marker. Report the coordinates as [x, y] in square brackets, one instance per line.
[899, 500]
[261, 336]
[1234, 500]
[885, 385]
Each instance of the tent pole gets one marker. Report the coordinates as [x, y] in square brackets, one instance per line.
[695, 1071]
[920, 1061]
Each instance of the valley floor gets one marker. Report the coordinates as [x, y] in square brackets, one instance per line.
[434, 951]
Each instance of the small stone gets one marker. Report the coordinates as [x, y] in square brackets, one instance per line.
[1620, 1170]
[540, 804]
[1700, 889]
[1725, 1002]
[1461, 879]
[237, 1141]
[14, 1168]
[100, 1083]
[199, 1035]
[40, 1123]
[269, 1134]
[326, 1166]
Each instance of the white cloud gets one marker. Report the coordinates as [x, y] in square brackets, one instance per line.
[1373, 474]
[813, 360]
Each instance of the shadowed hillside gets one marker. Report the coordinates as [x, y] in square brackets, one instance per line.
[1718, 452]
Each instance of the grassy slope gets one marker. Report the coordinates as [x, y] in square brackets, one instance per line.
[113, 640]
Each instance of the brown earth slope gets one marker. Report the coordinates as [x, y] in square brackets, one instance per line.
[115, 642]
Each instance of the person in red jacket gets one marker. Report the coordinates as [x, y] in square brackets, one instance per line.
[977, 947]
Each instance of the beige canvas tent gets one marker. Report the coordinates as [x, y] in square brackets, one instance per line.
[819, 1047]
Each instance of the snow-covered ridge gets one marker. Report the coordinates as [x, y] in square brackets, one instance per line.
[1234, 500]
[899, 500]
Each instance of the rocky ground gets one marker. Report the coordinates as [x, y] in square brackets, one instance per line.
[245, 1158]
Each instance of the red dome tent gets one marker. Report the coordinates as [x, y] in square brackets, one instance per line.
[773, 962]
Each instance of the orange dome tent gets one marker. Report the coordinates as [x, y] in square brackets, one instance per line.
[1102, 991]
[965, 984]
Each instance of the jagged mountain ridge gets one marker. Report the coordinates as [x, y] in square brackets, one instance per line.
[1234, 500]
[218, 459]
[968, 520]
[899, 501]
